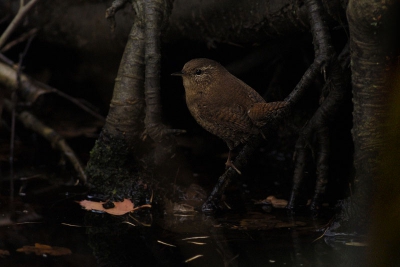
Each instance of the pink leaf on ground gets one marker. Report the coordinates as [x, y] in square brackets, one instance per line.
[120, 208]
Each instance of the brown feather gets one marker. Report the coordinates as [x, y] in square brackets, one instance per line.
[222, 104]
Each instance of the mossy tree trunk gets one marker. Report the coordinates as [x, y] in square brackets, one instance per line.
[112, 158]
[115, 169]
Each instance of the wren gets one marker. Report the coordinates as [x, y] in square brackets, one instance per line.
[224, 105]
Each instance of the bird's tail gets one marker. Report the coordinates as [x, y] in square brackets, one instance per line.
[261, 113]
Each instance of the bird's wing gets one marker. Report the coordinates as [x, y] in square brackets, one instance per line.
[230, 123]
[261, 113]
[247, 91]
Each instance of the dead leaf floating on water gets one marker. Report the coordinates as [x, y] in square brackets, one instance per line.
[4, 253]
[277, 203]
[120, 208]
[40, 249]
[183, 208]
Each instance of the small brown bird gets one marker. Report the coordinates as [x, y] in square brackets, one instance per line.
[224, 105]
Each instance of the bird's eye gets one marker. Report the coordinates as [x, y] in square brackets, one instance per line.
[198, 72]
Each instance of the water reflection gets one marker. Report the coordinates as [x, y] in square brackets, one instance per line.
[253, 237]
[248, 239]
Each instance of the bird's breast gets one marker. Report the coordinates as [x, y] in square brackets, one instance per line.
[196, 102]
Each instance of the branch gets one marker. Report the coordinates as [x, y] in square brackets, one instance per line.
[321, 37]
[110, 12]
[30, 89]
[57, 141]
[337, 84]
[322, 46]
[20, 39]
[323, 55]
[22, 12]
[14, 99]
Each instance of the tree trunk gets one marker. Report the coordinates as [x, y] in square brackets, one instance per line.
[112, 165]
[372, 57]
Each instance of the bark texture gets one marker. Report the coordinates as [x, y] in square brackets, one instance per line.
[112, 162]
[385, 234]
[372, 57]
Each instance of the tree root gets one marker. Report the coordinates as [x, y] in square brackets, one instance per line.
[336, 85]
[324, 54]
[318, 125]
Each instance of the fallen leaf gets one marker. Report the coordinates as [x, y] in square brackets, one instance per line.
[40, 249]
[4, 253]
[120, 208]
[276, 202]
[183, 208]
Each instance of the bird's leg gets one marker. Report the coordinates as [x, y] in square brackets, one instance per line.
[229, 163]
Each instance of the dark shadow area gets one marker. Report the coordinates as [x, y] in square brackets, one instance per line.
[248, 231]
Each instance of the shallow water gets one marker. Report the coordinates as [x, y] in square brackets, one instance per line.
[252, 237]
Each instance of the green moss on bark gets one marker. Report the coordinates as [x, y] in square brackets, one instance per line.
[113, 172]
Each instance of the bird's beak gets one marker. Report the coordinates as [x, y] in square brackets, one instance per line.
[179, 73]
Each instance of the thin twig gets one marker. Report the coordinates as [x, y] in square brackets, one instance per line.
[31, 89]
[13, 114]
[5, 18]
[75, 101]
[193, 258]
[164, 243]
[6, 60]
[12, 142]
[33, 123]
[22, 12]
[20, 39]
[110, 12]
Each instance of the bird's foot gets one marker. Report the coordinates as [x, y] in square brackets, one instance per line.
[210, 207]
[229, 163]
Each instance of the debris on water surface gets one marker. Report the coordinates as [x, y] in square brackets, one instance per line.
[275, 202]
[119, 208]
[356, 244]
[41, 249]
[4, 253]
[193, 258]
[166, 244]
